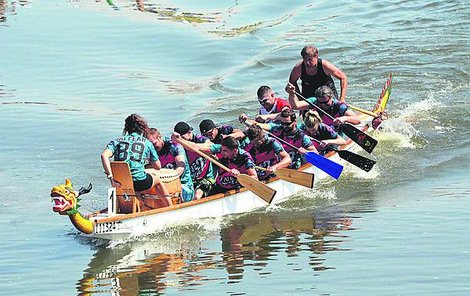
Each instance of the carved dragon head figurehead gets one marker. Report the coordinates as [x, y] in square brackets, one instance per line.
[64, 197]
[65, 200]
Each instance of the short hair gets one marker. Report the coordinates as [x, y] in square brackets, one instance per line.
[135, 123]
[312, 119]
[287, 113]
[154, 132]
[254, 131]
[263, 90]
[324, 91]
[230, 142]
[309, 51]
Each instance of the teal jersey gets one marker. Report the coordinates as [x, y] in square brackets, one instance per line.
[168, 153]
[136, 150]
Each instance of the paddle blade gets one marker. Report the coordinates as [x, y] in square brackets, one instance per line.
[360, 161]
[328, 166]
[359, 137]
[257, 187]
[297, 177]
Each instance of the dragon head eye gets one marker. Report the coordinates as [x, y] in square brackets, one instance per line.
[67, 191]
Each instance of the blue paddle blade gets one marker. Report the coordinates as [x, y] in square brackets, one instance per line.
[328, 166]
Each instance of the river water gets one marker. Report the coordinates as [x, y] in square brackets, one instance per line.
[71, 71]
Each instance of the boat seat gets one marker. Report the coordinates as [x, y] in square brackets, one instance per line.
[127, 199]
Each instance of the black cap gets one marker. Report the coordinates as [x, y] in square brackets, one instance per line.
[182, 128]
[206, 125]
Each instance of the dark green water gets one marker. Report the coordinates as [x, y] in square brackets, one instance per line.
[71, 71]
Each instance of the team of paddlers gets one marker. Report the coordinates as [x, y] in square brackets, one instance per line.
[250, 150]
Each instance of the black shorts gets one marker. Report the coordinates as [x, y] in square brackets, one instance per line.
[205, 185]
[143, 184]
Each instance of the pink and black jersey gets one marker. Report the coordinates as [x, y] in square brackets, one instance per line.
[200, 167]
[265, 156]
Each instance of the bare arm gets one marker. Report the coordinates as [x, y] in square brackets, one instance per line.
[332, 70]
[105, 161]
[237, 134]
[180, 164]
[267, 117]
[157, 165]
[294, 101]
[245, 120]
[295, 75]
[336, 141]
[349, 116]
[284, 162]
[252, 173]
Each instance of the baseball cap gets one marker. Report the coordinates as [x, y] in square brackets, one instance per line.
[206, 125]
[182, 128]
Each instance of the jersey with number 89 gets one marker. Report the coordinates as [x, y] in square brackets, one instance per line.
[134, 149]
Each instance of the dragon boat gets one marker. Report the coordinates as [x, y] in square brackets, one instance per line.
[128, 215]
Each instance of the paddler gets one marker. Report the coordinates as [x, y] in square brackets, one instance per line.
[315, 72]
[271, 106]
[202, 171]
[324, 99]
[135, 149]
[287, 130]
[217, 133]
[173, 156]
[315, 128]
[232, 156]
[267, 152]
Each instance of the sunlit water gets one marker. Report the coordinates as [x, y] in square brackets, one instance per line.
[71, 71]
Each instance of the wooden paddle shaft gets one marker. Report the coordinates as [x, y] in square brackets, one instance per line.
[316, 107]
[373, 114]
[281, 140]
[189, 147]
[252, 184]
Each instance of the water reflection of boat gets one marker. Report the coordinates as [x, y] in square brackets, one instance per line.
[249, 242]
[151, 265]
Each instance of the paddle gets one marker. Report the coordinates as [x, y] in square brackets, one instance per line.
[293, 176]
[361, 138]
[255, 186]
[359, 109]
[360, 161]
[328, 166]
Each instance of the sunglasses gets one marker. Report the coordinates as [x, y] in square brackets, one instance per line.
[323, 102]
[287, 123]
[264, 101]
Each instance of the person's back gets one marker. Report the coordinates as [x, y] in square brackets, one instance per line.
[134, 149]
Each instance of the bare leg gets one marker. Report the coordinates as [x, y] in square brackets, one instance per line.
[198, 194]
